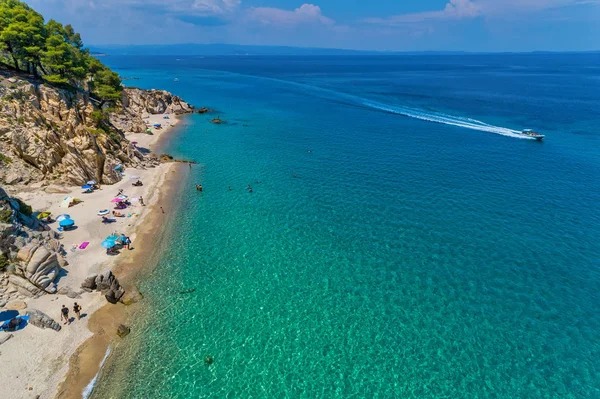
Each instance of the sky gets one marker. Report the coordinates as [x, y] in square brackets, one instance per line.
[386, 25]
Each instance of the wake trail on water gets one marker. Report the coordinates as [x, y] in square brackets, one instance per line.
[410, 112]
[436, 117]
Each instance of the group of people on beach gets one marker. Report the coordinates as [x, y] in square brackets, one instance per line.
[64, 313]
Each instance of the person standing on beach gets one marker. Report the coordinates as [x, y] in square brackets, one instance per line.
[77, 310]
[64, 314]
[162, 210]
[142, 201]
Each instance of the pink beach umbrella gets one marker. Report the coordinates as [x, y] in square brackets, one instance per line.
[117, 200]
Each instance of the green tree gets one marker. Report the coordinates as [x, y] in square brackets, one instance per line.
[106, 85]
[54, 50]
[22, 34]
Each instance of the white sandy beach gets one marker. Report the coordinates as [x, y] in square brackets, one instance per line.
[39, 359]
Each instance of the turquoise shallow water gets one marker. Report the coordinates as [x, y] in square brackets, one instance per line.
[420, 251]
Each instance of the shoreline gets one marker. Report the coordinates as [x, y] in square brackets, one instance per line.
[43, 360]
[85, 364]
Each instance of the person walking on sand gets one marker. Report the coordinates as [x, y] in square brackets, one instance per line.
[142, 201]
[64, 314]
[162, 210]
[77, 310]
[128, 243]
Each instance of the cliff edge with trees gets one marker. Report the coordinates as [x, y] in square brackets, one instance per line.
[63, 113]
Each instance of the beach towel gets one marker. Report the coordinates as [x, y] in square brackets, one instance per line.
[84, 245]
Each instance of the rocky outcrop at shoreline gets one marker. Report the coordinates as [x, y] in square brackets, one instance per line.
[107, 284]
[61, 135]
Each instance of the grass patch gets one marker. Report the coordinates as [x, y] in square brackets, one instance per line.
[5, 159]
[5, 216]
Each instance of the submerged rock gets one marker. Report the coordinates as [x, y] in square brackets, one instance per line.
[123, 330]
[132, 295]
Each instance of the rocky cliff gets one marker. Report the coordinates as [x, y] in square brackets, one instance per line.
[62, 135]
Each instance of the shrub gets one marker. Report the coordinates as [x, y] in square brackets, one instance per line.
[3, 262]
[97, 116]
[24, 208]
[21, 120]
[5, 215]
[5, 159]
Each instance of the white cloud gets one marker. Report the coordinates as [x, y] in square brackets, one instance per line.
[305, 14]
[468, 9]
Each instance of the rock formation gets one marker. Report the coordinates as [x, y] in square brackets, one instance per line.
[138, 103]
[123, 330]
[53, 134]
[132, 295]
[107, 284]
[40, 266]
[42, 320]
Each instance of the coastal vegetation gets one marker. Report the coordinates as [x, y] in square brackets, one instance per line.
[53, 52]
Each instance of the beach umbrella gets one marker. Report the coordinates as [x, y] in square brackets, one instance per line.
[66, 202]
[62, 217]
[117, 200]
[86, 187]
[67, 223]
[91, 182]
[108, 244]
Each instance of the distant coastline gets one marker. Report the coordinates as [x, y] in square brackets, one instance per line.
[249, 50]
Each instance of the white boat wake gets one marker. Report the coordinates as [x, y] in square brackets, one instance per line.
[416, 113]
[452, 120]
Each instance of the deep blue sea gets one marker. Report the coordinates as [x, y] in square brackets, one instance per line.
[400, 240]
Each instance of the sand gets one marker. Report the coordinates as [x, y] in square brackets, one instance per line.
[36, 361]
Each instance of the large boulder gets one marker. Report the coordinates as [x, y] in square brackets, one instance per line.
[24, 255]
[89, 284]
[42, 266]
[42, 320]
[23, 286]
[109, 286]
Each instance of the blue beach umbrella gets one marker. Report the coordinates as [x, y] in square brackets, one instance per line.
[67, 223]
[108, 244]
[86, 187]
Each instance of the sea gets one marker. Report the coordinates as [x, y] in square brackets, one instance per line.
[401, 240]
